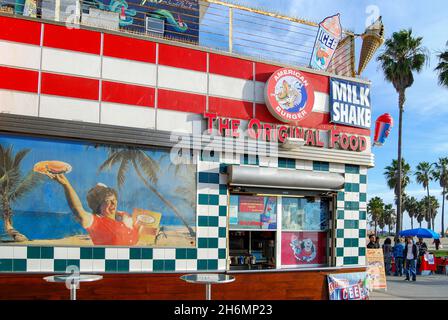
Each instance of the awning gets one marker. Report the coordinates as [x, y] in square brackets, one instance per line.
[284, 178]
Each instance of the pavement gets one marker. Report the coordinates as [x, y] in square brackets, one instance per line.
[432, 287]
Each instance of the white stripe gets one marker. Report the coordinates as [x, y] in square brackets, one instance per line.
[76, 63]
[176, 121]
[181, 79]
[19, 55]
[127, 115]
[122, 70]
[69, 109]
[19, 103]
[232, 88]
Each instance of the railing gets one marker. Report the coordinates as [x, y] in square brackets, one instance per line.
[214, 24]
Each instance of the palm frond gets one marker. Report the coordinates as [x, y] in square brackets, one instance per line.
[19, 157]
[121, 174]
[114, 158]
[30, 181]
[149, 166]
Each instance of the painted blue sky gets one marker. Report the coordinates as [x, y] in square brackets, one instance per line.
[426, 110]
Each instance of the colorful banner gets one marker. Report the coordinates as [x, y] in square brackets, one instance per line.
[375, 269]
[304, 248]
[328, 36]
[348, 286]
[251, 204]
[350, 103]
[85, 194]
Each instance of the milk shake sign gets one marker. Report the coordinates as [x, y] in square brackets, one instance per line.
[350, 103]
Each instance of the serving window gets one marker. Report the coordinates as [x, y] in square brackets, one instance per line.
[275, 231]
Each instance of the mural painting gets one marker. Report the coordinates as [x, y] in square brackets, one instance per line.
[55, 192]
[180, 17]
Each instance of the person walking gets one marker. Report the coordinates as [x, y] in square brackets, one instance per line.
[437, 243]
[398, 256]
[387, 253]
[410, 253]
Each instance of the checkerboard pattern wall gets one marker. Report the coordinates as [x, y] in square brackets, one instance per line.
[211, 228]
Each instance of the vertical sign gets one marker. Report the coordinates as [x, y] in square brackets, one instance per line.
[375, 269]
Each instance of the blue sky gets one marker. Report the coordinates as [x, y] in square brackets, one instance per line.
[426, 108]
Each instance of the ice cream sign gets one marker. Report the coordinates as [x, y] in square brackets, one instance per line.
[328, 36]
[350, 103]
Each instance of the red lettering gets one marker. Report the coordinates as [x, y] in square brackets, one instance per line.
[310, 138]
[268, 132]
[235, 124]
[334, 137]
[344, 141]
[354, 143]
[282, 133]
[299, 133]
[210, 117]
[254, 133]
[362, 143]
[224, 125]
[319, 143]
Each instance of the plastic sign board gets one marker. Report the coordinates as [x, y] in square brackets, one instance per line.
[350, 103]
[289, 95]
[348, 286]
[328, 36]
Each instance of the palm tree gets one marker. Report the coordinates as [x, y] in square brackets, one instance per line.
[13, 186]
[410, 204]
[441, 175]
[421, 212]
[442, 68]
[375, 209]
[391, 175]
[431, 213]
[402, 55]
[424, 175]
[389, 216]
[147, 170]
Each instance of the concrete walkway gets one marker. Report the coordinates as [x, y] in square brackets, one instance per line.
[433, 287]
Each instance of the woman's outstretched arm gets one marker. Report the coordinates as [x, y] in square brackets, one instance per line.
[84, 217]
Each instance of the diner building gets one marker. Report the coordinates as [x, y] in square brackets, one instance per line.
[143, 156]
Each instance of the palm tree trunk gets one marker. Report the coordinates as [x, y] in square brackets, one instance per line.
[375, 227]
[7, 222]
[429, 207]
[166, 202]
[401, 100]
[412, 222]
[443, 212]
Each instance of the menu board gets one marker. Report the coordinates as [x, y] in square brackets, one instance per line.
[304, 248]
[253, 212]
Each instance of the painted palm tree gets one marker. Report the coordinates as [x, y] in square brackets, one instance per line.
[442, 68]
[13, 186]
[375, 208]
[424, 175]
[431, 211]
[410, 204]
[441, 175]
[402, 55]
[147, 170]
[391, 174]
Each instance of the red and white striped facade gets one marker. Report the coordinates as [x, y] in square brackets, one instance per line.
[50, 71]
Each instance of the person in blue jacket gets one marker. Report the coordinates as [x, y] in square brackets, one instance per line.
[410, 253]
[398, 257]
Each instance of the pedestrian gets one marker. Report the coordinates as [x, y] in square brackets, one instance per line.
[422, 249]
[372, 243]
[398, 256]
[410, 253]
[388, 254]
[377, 242]
[437, 243]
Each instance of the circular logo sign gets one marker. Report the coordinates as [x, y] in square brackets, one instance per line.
[289, 95]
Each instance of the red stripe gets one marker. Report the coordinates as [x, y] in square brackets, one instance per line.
[231, 67]
[179, 57]
[181, 101]
[72, 39]
[315, 120]
[231, 108]
[127, 94]
[18, 79]
[129, 48]
[69, 86]
[18, 30]
[264, 71]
